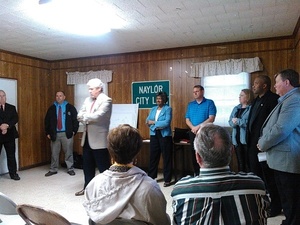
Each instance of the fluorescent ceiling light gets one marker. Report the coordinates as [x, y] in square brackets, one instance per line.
[81, 17]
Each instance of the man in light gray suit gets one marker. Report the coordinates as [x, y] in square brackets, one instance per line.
[95, 115]
[281, 141]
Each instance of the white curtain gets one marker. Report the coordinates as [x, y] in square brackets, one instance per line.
[83, 77]
[230, 66]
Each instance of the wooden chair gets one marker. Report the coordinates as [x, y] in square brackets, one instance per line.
[40, 216]
[7, 206]
[181, 140]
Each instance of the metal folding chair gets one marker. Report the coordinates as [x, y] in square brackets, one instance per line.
[39, 216]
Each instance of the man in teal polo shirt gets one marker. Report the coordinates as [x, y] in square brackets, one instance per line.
[199, 112]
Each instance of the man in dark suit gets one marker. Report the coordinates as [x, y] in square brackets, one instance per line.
[8, 134]
[262, 105]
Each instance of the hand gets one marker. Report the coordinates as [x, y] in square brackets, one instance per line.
[235, 120]
[4, 126]
[258, 147]
[195, 130]
[150, 122]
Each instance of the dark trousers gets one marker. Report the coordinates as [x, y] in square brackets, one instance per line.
[10, 148]
[160, 145]
[252, 160]
[93, 158]
[196, 166]
[262, 170]
[270, 182]
[241, 155]
[289, 189]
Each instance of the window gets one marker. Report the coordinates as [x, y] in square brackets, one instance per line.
[224, 90]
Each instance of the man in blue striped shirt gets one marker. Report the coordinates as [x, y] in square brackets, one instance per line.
[218, 196]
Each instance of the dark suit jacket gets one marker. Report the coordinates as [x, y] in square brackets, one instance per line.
[9, 116]
[269, 101]
[71, 122]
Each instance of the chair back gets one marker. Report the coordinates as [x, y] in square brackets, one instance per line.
[181, 134]
[7, 206]
[40, 216]
[122, 221]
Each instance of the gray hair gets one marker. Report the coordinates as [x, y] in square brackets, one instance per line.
[213, 144]
[95, 82]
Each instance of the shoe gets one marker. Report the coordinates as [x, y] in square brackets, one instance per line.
[50, 174]
[71, 172]
[79, 193]
[14, 176]
[167, 184]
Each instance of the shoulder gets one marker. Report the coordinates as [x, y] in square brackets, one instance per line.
[296, 93]
[52, 107]
[271, 95]
[96, 181]
[7, 105]
[248, 107]
[103, 96]
[248, 180]
[292, 100]
[147, 181]
[166, 107]
[192, 103]
[154, 108]
[237, 107]
[209, 101]
[181, 187]
[70, 106]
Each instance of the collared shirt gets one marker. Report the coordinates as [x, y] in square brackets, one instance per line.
[281, 98]
[219, 196]
[63, 110]
[199, 112]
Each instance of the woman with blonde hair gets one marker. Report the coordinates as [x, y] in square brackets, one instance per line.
[238, 120]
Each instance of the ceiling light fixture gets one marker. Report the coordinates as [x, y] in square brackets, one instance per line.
[44, 1]
[81, 17]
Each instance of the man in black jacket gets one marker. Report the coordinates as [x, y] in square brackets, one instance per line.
[61, 125]
[261, 107]
[8, 134]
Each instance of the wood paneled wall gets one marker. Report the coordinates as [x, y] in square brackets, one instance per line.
[33, 79]
[39, 80]
[297, 47]
[275, 54]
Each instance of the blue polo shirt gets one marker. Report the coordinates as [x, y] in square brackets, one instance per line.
[197, 113]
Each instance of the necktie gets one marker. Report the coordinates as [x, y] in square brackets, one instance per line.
[92, 104]
[1, 108]
[59, 119]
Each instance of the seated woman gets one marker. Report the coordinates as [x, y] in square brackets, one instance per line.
[124, 190]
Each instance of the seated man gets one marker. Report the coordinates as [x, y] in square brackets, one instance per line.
[217, 195]
[124, 190]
